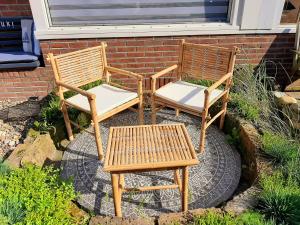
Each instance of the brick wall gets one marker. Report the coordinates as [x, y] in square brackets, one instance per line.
[142, 55]
[148, 55]
[13, 8]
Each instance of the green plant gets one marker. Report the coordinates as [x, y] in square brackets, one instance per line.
[292, 170]
[280, 198]
[12, 210]
[50, 111]
[4, 169]
[205, 83]
[253, 99]
[234, 137]
[247, 218]
[38, 193]
[253, 218]
[279, 147]
[244, 107]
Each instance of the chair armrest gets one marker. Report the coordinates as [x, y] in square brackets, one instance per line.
[76, 89]
[218, 83]
[124, 72]
[163, 72]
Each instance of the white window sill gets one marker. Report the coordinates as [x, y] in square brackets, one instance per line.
[152, 30]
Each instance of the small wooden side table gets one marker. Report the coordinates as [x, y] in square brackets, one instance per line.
[149, 148]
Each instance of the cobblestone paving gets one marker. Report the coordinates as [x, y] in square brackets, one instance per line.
[211, 182]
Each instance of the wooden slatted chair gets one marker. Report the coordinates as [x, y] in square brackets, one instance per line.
[75, 69]
[196, 62]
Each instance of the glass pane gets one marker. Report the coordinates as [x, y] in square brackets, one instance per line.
[134, 12]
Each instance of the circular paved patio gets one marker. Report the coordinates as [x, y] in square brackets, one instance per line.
[212, 182]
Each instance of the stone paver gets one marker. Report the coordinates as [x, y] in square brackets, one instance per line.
[212, 182]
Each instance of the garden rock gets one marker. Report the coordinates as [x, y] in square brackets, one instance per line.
[184, 217]
[108, 220]
[249, 141]
[286, 100]
[296, 107]
[246, 200]
[278, 94]
[38, 151]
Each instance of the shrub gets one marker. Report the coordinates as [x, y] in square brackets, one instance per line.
[292, 170]
[35, 196]
[4, 169]
[248, 218]
[11, 211]
[280, 147]
[50, 111]
[280, 199]
[234, 137]
[212, 218]
[51, 116]
[245, 108]
[253, 218]
[205, 83]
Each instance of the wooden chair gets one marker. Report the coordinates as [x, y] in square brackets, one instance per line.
[75, 69]
[196, 62]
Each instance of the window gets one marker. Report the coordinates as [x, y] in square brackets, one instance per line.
[63, 19]
[136, 12]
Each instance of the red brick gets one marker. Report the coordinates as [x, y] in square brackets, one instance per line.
[145, 55]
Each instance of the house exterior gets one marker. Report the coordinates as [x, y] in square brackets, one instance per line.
[143, 36]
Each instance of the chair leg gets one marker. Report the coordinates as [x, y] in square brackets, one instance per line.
[222, 119]
[203, 132]
[67, 122]
[98, 138]
[141, 113]
[224, 107]
[153, 111]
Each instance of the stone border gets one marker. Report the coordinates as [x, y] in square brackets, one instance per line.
[250, 144]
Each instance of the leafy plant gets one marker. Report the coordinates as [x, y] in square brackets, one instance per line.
[253, 218]
[12, 211]
[280, 199]
[280, 147]
[291, 170]
[205, 83]
[35, 196]
[248, 218]
[4, 169]
[234, 137]
[253, 99]
[245, 108]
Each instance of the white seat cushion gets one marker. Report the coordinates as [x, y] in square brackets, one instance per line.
[186, 94]
[107, 98]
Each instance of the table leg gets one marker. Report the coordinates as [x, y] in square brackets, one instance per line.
[116, 194]
[185, 189]
[177, 179]
[122, 181]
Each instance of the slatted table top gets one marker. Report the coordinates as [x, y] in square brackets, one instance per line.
[149, 147]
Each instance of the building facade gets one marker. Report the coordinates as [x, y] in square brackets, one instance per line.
[151, 43]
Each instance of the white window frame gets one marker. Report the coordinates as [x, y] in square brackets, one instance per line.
[44, 30]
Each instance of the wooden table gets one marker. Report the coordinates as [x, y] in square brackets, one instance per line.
[149, 148]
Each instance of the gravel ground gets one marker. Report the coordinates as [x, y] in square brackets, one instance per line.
[11, 132]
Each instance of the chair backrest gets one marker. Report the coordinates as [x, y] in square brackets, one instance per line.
[205, 62]
[79, 67]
